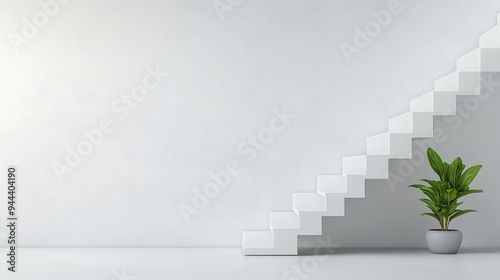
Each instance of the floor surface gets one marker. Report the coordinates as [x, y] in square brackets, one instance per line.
[221, 264]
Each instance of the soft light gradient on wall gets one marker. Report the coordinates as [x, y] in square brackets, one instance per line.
[227, 77]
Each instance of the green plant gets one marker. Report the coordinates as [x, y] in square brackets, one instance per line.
[443, 195]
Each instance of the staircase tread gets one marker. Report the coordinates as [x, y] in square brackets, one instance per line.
[448, 82]
[354, 165]
[331, 184]
[308, 202]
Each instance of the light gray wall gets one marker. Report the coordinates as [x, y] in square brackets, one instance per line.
[227, 76]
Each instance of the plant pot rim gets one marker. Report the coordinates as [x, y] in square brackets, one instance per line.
[433, 229]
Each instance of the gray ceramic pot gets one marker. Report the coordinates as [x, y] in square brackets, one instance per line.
[444, 242]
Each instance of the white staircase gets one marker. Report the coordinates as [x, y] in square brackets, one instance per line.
[310, 208]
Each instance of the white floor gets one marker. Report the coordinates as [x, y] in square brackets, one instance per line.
[221, 264]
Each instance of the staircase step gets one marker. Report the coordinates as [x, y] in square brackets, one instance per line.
[377, 167]
[447, 83]
[419, 124]
[258, 243]
[490, 59]
[491, 38]
[331, 184]
[445, 103]
[378, 144]
[285, 241]
[341, 186]
[471, 61]
[401, 145]
[401, 123]
[308, 202]
[470, 83]
[354, 165]
[355, 186]
[335, 205]
[372, 166]
[423, 103]
[395, 145]
[423, 125]
[279, 220]
[311, 222]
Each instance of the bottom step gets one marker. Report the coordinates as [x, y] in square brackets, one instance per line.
[257, 243]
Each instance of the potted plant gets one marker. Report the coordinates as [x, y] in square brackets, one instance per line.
[443, 196]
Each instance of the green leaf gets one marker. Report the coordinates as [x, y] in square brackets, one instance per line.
[450, 195]
[445, 211]
[435, 162]
[455, 172]
[418, 186]
[423, 188]
[454, 207]
[446, 167]
[459, 213]
[429, 192]
[449, 209]
[443, 186]
[467, 192]
[432, 215]
[432, 183]
[468, 176]
[437, 186]
[431, 205]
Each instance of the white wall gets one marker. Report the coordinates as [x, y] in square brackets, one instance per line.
[226, 78]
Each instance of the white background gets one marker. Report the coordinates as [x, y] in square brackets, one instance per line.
[225, 79]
